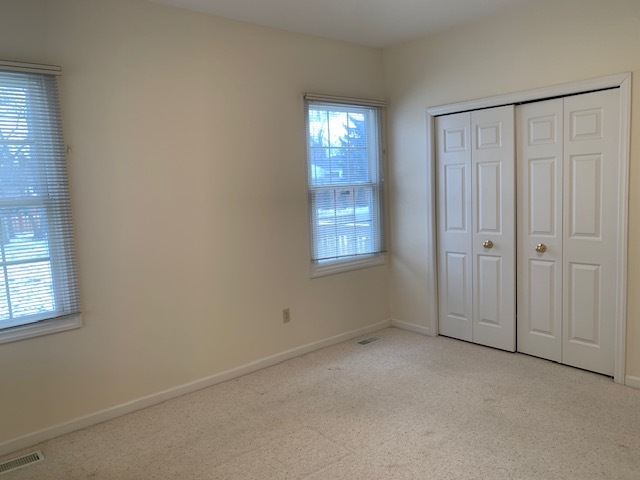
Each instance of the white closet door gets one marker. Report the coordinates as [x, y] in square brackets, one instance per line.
[454, 226]
[493, 202]
[591, 169]
[539, 160]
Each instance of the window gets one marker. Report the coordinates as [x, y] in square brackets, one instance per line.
[38, 286]
[344, 159]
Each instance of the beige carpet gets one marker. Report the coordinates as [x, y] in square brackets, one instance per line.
[404, 407]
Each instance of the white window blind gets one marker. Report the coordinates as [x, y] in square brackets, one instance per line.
[37, 259]
[344, 156]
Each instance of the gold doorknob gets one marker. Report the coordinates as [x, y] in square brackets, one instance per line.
[488, 244]
[541, 248]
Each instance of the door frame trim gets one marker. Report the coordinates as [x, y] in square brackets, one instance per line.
[621, 81]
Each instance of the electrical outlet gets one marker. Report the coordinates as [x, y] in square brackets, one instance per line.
[286, 316]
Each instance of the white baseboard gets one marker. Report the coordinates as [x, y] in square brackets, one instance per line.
[85, 421]
[630, 381]
[412, 327]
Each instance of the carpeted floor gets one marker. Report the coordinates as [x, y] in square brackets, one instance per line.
[404, 407]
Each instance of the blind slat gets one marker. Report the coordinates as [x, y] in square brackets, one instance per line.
[315, 97]
[9, 66]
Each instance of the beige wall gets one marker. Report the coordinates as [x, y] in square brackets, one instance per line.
[188, 188]
[552, 42]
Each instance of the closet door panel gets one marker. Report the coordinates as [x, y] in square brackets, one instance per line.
[489, 203]
[493, 227]
[591, 169]
[585, 198]
[543, 303]
[584, 320]
[539, 139]
[489, 289]
[454, 226]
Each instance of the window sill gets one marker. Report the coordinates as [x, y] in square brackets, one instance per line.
[44, 327]
[346, 265]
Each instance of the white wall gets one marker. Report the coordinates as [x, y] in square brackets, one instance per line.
[551, 42]
[188, 180]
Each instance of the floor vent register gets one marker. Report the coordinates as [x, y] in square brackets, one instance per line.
[20, 462]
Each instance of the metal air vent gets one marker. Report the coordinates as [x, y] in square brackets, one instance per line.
[23, 461]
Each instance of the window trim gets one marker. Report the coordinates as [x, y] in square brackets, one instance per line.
[347, 264]
[43, 327]
[320, 268]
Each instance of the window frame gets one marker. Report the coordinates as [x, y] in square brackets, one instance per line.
[336, 265]
[60, 248]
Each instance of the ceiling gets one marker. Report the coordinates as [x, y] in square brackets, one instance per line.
[374, 23]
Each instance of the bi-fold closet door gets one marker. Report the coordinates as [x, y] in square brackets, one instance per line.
[568, 168]
[565, 153]
[476, 229]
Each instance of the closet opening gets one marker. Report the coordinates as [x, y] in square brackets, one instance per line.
[528, 212]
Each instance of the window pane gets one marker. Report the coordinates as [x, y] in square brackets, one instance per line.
[358, 166]
[339, 165]
[345, 223]
[24, 234]
[4, 305]
[320, 166]
[13, 113]
[18, 173]
[30, 288]
[318, 128]
[357, 132]
[366, 220]
[324, 228]
[338, 136]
